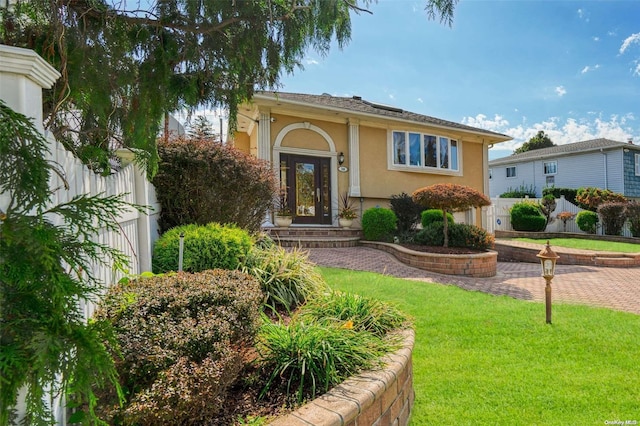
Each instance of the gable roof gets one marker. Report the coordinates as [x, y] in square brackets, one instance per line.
[356, 104]
[562, 150]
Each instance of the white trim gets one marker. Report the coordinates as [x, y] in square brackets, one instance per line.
[421, 168]
[16, 60]
[544, 167]
[330, 153]
[515, 172]
[637, 164]
[354, 158]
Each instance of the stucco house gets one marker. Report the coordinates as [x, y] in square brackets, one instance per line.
[322, 146]
[600, 163]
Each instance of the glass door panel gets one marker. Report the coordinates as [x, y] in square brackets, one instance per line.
[307, 181]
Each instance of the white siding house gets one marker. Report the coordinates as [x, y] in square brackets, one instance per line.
[600, 163]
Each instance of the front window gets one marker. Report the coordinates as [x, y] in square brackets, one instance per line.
[550, 167]
[637, 156]
[511, 172]
[425, 151]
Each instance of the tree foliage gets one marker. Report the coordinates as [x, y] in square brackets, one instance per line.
[539, 141]
[126, 64]
[202, 128]
[46, 257]
[449, 197]
[591, 198]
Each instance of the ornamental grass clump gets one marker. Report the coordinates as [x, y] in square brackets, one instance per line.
[181, 343]
[287, 278]
[306, 359]
[330, 338]
[363, 313]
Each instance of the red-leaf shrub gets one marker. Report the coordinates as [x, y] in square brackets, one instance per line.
[633, 215]
[199, 182]
[590, 198]
[182, 340]
[613, 217]
[449, 197]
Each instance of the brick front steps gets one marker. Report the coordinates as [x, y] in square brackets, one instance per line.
[315, 237]
[517, 251]
[481, 265]
[378, 397]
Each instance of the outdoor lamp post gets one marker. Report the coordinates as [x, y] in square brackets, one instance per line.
[548, 261]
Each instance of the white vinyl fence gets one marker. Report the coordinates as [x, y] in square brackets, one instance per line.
[499, 218]
[23, 75]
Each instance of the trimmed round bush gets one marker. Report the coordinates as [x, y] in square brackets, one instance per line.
[205, 247]
[460, 235]
[434, 215]
[586, 221]
[526, 216]
[378, 224]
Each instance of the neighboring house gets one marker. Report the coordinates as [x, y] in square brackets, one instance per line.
[322, 146]
[600, 163]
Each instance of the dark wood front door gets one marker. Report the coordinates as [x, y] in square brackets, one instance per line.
[307, 182]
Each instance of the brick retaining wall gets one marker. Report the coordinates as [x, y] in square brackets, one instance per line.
[378, 397]
[480, 265]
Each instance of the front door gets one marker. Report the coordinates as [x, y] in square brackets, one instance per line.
[307, 182]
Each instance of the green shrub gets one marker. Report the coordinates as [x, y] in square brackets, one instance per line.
[287, 278]
[199, 182]
[613, 216]
[586, 221]
[569, 193]
[521, 192]
[406, 210]
[308, 358]
[633, 215]
[526, 216]
[353, 311]
[378, 224]
[182, 339]
[434, 215]
[460, 235]
[205, 247]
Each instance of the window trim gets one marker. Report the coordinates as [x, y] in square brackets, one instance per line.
[422, 168]
[515, 172]
[544, 167]
[637, 164]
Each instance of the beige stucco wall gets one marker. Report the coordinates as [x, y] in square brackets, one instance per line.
[242, 142]
[377, 182]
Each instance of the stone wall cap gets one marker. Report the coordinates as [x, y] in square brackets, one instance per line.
[26, 62]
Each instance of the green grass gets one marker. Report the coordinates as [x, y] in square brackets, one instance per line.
[578, 243]
[487, 360]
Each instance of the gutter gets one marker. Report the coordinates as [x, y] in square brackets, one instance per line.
[501, 137]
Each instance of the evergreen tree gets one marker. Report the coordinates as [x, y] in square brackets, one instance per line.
[126, 64]
[202, 128]
[46, 257]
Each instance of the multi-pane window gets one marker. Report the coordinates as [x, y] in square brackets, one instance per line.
[550, 167]
[511, 171]
[637, 157]
[425, 151]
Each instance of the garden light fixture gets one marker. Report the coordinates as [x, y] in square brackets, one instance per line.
[548, 260]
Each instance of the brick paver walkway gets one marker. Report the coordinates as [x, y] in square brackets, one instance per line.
[616, 288]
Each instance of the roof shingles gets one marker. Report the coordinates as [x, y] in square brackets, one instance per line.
[359, 105]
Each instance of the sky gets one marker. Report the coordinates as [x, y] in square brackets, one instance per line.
[569, 68]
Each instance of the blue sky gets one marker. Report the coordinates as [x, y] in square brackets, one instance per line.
[570, 68]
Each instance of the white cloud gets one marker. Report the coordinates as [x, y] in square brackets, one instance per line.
[590, 68]
[420, 100]
[569, 131]
[633, 38]
[636, 71]
[583, 15]
[596, 38]
[311, 61]
[561, 91]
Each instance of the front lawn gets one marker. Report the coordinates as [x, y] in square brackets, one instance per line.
[482, 359]
[578, 243]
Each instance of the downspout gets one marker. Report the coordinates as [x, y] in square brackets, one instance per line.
[606, 173]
